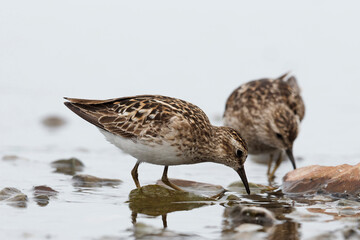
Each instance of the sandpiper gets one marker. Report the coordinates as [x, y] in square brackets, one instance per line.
[267, 113]
[164, 131]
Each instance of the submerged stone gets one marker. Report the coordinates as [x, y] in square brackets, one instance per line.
[232, 197]
[11, 158]
[42, 194]
[157, 200]
[337, 213]
[8, 192]
[68, 166]
[242, 222]
[346, 233]
[42, 200]
[53, 121]
[83, 180]
[254, 188]
[198, 188]
[341, 181]
[43, 189]
[238, 215]
[163, 194]
[13, 197]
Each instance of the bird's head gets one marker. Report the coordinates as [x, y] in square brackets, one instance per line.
[283, 128]
[231, 150]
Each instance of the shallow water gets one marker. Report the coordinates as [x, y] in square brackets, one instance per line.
[198, 51]
[105, 213]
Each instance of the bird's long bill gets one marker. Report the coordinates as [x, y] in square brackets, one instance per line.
[242, 174]
[289, 152]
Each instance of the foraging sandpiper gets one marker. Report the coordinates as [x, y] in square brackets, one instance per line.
[163, 131]
[267, 113]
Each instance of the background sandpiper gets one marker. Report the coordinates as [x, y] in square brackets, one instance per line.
[267, 113]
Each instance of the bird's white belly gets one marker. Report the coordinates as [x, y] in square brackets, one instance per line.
[160, 154]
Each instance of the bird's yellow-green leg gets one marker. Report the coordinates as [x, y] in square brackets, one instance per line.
[270, 163]
[277, 164]
[134, 174]
[166, 181]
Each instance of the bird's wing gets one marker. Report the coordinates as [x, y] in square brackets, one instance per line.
[131, 117]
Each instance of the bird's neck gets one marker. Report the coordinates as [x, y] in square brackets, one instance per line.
[213, 144]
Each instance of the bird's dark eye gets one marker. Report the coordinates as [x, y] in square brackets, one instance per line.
[279, 136]
[239, 153]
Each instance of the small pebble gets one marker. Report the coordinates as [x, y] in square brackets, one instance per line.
[53, 121]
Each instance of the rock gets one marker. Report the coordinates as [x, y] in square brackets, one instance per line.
[350, 233]
[155, 200]
[45, 190]
[198, 188]
[68, 166]
[53, 121]
[232, 197]
[83, 180]
[13, 197]
[338, 214]
[238, 215]
[163, 194]
[8, 192]
[258, 215]
[243, 222]
[42, 200]
[348, 203]
[339, 181]
[42, 195]
[238, 186]
[11, 158]
[346, 233]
